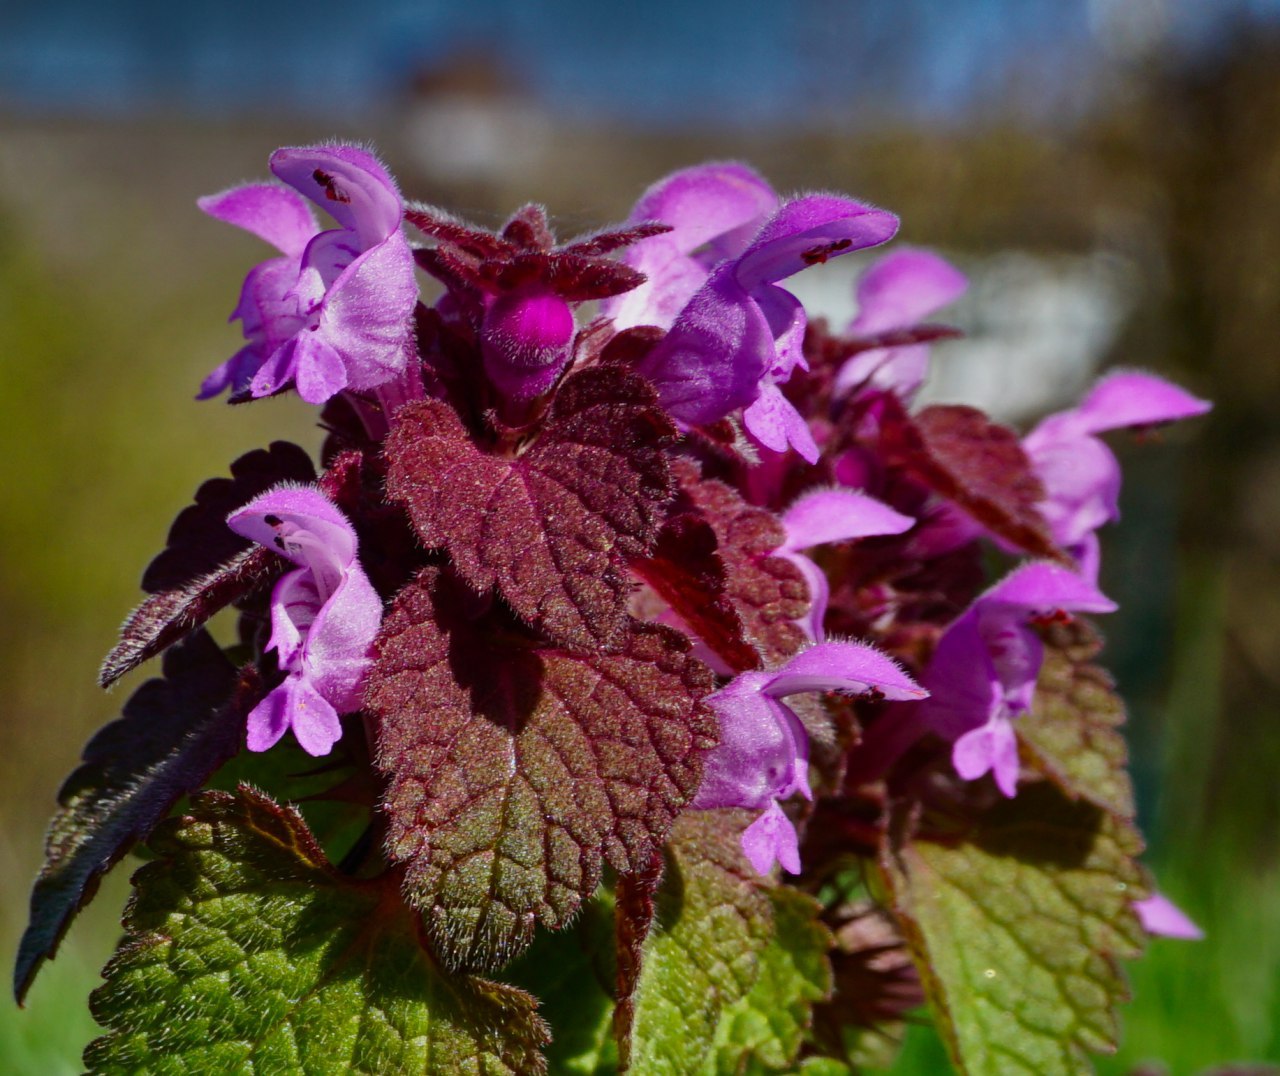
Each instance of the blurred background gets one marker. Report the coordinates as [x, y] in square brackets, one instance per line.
[1107, 172]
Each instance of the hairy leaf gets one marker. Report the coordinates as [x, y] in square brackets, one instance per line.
[763, 1031]
[205, 565]
[978, 464]
[549, 528]
[199, 540]
[1017, 925]
[720, 938]
[1072, 733]
[164, 618]
[515, 768]
[688, 573]
[174, 732]
[572, 972]
[635, 906]
[275, 962]
[768, 592]
[876, 986]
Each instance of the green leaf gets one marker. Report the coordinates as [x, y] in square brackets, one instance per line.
[272, 961]
[1016, 926]
[1072, 733]
[762, 1031]
[572, 973]
[727, 947]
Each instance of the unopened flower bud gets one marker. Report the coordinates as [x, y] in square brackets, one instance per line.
[526, 341]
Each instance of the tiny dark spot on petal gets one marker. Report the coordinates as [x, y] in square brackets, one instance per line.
[331, 189]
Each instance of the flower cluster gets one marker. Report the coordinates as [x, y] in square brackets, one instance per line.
[696, 285]
[612, 534]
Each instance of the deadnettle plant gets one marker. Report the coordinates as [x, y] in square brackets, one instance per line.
[636, 679]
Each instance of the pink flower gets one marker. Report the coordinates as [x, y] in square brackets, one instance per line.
[825, 516]
[333, 312]
[1081, 475]
[324, 617]
[763, 754]
[983, 673]
[898, 292]
[1161, 917]
[734, 335]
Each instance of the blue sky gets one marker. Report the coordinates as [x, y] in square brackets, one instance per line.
[664, 62]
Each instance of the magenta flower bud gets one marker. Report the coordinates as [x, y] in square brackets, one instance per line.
[526, 340]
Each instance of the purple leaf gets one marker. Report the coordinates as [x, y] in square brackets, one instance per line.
[516, 770]
[199, 541]
[550, 527]
[164, 618]
[173, 734]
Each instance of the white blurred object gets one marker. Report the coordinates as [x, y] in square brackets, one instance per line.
[1037, 327]
[462, 138]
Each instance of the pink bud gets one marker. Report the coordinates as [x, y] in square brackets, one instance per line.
[526, 341]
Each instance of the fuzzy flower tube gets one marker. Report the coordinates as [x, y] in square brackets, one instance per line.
[616, 581]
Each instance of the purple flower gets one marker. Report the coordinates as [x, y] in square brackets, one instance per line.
[763, 754]
[1081, 476]
[333, 312]
[983, 672]
[713, 210]
[1160, 916]
[832, 515]
[324, 616]
[738, 335]
[898, 292]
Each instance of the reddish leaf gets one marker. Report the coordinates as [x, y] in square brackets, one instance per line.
[200, 541]
[173, 733]
[516, 769]
[876, 983]
[166, 617]
[768, 592]
[634, 909]
[549, 528]
[979, 465]
[687, 572]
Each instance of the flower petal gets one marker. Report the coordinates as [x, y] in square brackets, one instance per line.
[1042, 586]
[712, 360]
[904, 287]
[275, 214]
[349, 183]
[810, 230]
[1134, 398]
[763, 751]
[841, 666]
[313, 720]
[269, 720]
[839, 515]
[770, 838]
[992, 746]
[773, 420]
[1160, 916]
[305, 507]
